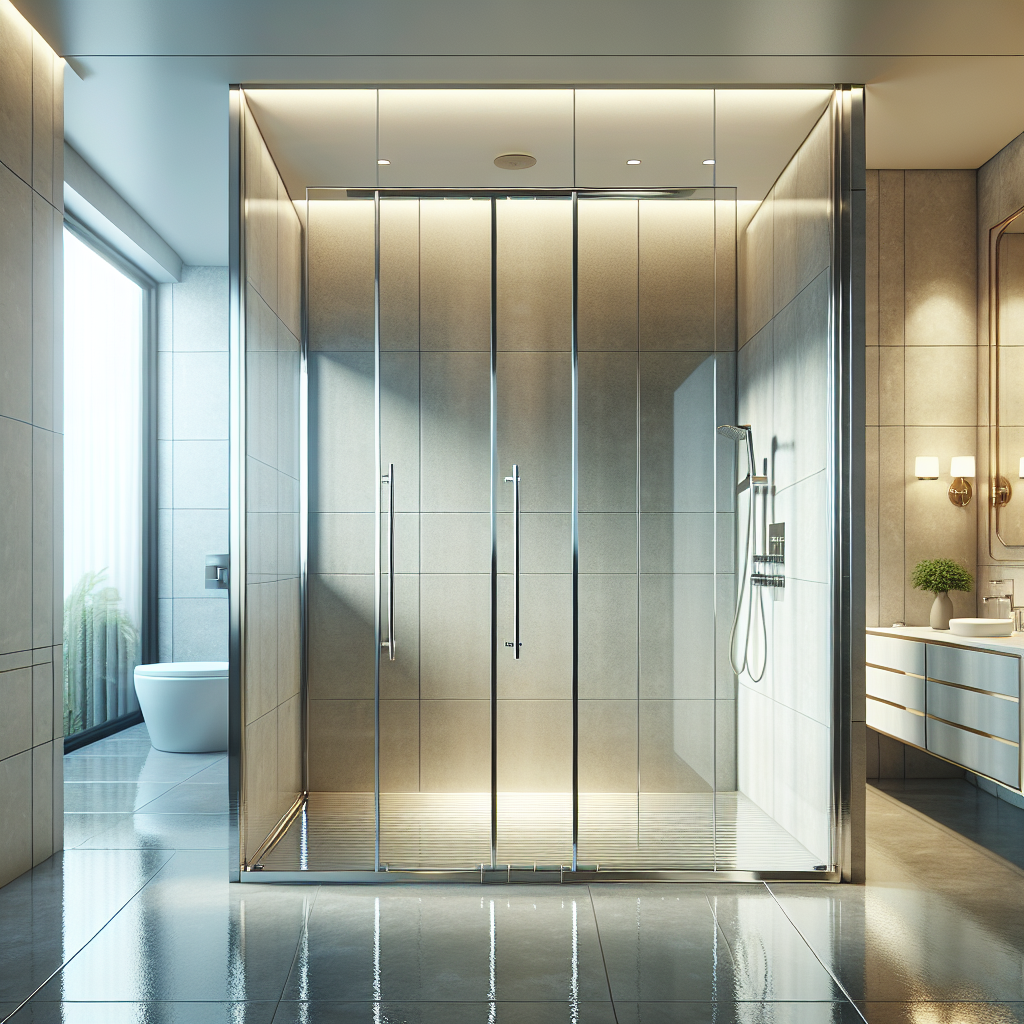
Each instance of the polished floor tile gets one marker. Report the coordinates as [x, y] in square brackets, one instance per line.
[738, 1013]
[943, 1013]
[194, 937]
[416, 943]
[50, 913]
[146, 1013]
[968, 811]
[137, 923]
[111, 796]
[662, 942]
[190, 798]
[498, 1012]
[160, 831]
[157, 766]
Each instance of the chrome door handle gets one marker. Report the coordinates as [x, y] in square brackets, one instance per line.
[516, 513]
[389, 642]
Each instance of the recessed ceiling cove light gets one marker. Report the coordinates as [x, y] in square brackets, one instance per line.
[514, 161]
[708, 163]
[383, 163]
[633, 163]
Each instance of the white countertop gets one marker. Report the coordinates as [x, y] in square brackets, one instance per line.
[1013, 644]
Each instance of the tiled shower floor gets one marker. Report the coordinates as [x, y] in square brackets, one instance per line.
[452, 831]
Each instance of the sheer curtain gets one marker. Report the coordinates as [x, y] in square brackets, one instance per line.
[103, 334]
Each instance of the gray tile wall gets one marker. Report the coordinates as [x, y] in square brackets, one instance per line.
[922, 383]
[192, 453]
[783, 720]
[31, 446]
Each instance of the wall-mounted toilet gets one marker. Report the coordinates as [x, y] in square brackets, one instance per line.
[185, 705]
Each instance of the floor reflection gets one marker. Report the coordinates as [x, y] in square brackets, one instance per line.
[135, 922]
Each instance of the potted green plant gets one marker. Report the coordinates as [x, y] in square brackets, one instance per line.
[939, 576]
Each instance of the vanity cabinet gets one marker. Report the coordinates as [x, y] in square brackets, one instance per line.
[956, 700]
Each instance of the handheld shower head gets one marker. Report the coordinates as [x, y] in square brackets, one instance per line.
[741, 433]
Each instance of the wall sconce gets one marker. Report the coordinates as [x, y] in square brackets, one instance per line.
[961, 469]
[1001, 490]
[926, 467]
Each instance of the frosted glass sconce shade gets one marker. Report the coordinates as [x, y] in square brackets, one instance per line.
[962, 465]
[1020, 472]
[926, 467]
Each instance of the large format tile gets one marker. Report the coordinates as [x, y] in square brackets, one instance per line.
[111, 796]
[444, 1013]
[40, 1012]
[50, 913]
[194, 937]
[942, 1013]
[156, 766]
[663, 943]
[936, 920]
[767, 1012]
[190, 799]
[772, 960]
[455, 943]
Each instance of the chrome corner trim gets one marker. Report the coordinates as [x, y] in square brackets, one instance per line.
[846, 462]
[236, 492]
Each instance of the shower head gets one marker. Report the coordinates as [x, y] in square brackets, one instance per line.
[741, 433]
[734, 433]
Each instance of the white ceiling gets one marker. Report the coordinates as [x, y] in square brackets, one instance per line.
[450, 137]
[945, 79]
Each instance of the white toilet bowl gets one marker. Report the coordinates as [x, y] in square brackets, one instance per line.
[185, 705]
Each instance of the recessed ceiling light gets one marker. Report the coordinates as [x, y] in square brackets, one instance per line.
[709, 163]
[384, 163]
[514, 161]
[632, 163]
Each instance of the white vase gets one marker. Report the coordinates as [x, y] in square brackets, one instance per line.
[942, 611]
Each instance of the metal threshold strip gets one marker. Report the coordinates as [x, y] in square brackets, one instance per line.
[511, 875]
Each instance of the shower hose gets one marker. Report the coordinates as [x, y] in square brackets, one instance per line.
[747, 588]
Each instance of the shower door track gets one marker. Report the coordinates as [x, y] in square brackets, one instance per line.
[509, 875]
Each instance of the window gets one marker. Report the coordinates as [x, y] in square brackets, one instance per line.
[104, 357]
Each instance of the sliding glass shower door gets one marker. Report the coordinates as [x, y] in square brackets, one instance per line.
[515, 513]
[534, 438]
[435, 451]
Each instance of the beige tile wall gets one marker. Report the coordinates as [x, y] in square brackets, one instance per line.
[273, 720]
[922, 382]
[31, 446]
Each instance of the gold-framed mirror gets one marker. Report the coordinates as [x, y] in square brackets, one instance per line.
[1006, 387]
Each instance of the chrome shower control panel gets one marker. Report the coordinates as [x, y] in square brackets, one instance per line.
[769, 568]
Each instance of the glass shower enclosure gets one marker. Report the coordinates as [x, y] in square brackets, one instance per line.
[495, 538]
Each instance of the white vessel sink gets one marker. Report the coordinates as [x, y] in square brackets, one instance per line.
[981, 627]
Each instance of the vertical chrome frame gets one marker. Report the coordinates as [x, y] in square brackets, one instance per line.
[494, 532]
[576, 532]
[846, 462]
[236, 494]
[304, 509]
[376, 531]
